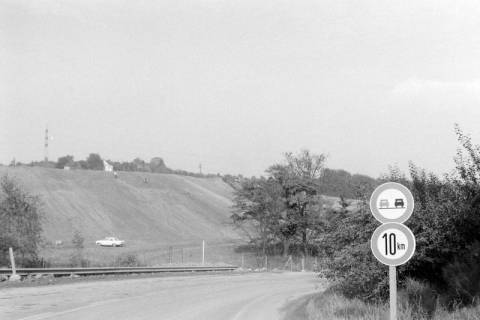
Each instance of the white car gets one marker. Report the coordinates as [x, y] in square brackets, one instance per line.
[110, 242]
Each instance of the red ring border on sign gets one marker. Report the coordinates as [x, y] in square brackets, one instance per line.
[391, 185]
[394, 262]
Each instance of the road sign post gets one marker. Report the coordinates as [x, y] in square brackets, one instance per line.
[392, 274]
[392, 243]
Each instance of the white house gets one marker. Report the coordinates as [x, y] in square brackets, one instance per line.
[107, 166]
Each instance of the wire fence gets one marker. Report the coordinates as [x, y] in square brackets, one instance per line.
[192, 254]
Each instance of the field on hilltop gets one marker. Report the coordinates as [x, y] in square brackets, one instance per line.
[167, 209]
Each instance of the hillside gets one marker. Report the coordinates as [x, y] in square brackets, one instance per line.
[167, 209]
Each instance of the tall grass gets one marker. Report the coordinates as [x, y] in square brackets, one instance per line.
[416, 301]
[333, 306]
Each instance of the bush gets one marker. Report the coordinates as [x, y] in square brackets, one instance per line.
[445, 223]
[357, 274]
[419, 298]
[20, 223]
[128, 260]
[462, 277]
[78, 261]
[78, 240]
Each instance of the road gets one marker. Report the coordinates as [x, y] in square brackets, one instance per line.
[214, 297]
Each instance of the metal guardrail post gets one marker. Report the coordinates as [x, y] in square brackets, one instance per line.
[12, 261]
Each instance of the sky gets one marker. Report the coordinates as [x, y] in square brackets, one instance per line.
[234, 85]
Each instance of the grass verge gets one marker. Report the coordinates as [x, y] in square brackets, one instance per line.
[332, 306]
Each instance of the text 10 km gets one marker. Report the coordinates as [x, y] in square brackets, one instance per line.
[391, 245]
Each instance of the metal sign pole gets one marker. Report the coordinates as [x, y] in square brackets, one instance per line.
[392, 243]
[393, 292]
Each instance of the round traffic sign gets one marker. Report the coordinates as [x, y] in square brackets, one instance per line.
[391, 202]
[393, 244]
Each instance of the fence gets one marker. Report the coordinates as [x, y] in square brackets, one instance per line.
[175, 255]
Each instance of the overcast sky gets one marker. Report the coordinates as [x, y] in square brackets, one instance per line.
[234, 84]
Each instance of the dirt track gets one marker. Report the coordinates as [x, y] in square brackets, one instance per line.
[216, 297]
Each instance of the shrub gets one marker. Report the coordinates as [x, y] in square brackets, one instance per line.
[77, 260]
[445, 223]
[20, 223]
[418, 297]
[463, 277]
[357, 274]
[128, 260]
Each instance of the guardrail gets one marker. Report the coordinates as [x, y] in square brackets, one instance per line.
[114, 270]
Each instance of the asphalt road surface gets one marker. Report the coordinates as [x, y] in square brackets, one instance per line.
[214, 297]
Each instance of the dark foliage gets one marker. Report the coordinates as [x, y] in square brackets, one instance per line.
[128, 260]
[66, 161]
[446, 224]
[94, 162]
[20, 223]
[338, 183]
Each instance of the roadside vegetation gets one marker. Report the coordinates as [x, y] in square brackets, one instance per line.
[334, 306]
[20, 223]
[287, 207]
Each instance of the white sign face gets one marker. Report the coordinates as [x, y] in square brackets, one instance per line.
[393, 244]
[391, 202]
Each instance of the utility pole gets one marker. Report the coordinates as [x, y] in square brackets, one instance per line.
[200, 168]
[46, 146]
[47, 138]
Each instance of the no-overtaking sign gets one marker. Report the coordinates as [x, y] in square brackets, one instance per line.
[391, 202]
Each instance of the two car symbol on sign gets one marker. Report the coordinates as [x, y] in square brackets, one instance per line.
[384, 204]
[392, 243]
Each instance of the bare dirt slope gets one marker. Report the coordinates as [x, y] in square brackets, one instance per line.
[169, 208]
[261, 296]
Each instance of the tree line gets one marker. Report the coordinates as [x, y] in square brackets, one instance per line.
[95, 162]
[288, 205]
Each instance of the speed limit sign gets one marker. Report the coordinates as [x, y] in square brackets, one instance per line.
[393, 244]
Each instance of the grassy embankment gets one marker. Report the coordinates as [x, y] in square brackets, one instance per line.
[167, 211]
[151, 212]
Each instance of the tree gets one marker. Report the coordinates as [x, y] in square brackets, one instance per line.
[299, 179]
[78, 240]
[158, 165]
[76, 259]
[94, 162]
[20, 222]
[65, 161]
[259, 206]
[140, 165]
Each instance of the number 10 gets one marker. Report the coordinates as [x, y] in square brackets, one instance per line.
[390, 248]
